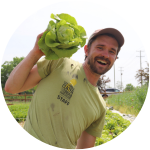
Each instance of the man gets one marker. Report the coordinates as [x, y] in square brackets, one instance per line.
[67, 110]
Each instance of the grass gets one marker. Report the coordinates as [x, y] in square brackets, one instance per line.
[128, 102]
[18, 102]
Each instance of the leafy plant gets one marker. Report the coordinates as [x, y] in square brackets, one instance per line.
[19, 111]
[129, 102]
[62, 37]
[114, 125]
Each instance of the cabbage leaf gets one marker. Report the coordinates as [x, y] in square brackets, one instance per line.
[62, 38]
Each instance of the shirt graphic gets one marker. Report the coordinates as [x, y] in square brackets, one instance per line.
[67, 91]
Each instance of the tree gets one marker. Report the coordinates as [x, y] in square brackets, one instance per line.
[7, 68]
[139, 76]
[129, 87]
[102, 83]
[143, 75]
[146, 74]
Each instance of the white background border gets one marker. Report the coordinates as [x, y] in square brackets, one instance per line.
[14, 12]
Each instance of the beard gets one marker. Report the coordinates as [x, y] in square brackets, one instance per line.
[97, 69]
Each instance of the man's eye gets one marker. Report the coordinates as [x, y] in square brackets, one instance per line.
[112, 52]
[100, 48]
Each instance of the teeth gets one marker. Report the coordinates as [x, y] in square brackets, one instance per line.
[102, 61]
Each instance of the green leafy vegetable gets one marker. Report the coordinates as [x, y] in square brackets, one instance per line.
[114, 126]
[62, 37]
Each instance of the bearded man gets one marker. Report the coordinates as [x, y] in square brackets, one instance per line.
[67, 110]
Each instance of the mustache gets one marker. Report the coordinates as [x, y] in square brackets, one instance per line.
[102, 58]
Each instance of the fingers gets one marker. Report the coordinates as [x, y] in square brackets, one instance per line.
[40, 35]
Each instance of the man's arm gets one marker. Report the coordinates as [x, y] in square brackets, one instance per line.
[25, 74]
[85, 141]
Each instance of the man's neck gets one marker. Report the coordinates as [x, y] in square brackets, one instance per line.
[90, 75]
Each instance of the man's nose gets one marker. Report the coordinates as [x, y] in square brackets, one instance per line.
[105, 54]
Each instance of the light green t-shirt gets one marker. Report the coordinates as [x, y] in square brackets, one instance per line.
[64, 105]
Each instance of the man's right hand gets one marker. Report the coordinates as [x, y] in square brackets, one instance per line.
[36, 47]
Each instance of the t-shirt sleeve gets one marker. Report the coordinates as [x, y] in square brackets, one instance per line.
[96, 127]
[45, 67]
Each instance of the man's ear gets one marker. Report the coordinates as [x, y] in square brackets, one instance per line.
[116, 57]
[86, 50]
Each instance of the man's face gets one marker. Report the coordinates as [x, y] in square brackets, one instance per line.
[102, 54]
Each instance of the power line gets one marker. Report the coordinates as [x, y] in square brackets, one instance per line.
[129, 58]
[140, 63]
[140, 58]
[121, 76]
[130, 62]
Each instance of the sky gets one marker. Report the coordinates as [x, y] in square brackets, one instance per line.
[23, 38]
[22, 21]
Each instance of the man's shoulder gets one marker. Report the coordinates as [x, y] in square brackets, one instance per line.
[71, 62]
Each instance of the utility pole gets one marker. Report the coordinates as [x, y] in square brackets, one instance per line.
[121, 76]
[114, 75]
[140, 59]
[140, 64]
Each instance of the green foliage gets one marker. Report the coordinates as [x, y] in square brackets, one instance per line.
[114, 125]
[62, 37]
[129, 87]
[141, 93]
[19, 111]
[7, 68]
[131, 101]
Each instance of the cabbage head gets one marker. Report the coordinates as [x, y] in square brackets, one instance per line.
[62, 38]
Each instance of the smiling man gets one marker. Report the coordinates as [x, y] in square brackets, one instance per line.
[101, 52]
[67, 110]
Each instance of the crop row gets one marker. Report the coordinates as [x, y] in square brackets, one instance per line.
[19, 111]
[114, 125]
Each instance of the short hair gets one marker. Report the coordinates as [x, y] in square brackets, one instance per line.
[94, 38]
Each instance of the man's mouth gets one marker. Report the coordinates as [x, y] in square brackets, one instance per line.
[102, 62]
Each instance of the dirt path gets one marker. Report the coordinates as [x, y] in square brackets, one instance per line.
[129, 117]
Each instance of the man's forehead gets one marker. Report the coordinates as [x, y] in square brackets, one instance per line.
[109, 31]
[105, 39]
